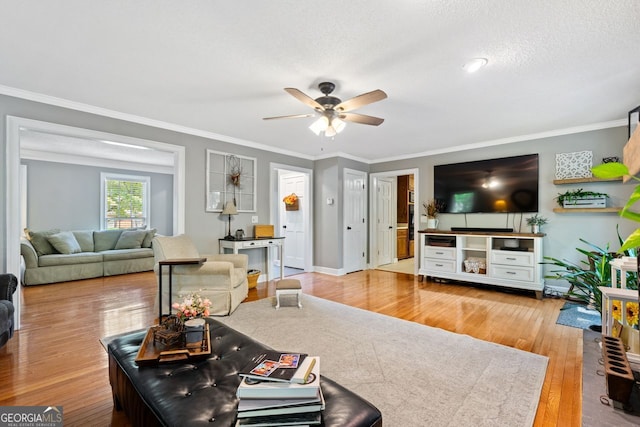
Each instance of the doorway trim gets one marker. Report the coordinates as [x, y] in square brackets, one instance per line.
[373, 197]
[14, 125]
[274, 203]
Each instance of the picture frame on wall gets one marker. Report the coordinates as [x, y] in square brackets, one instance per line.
[634, 118]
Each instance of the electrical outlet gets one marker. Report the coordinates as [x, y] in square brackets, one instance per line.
[254, 219]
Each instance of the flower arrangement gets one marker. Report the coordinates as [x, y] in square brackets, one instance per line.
[433, 207]
[192, 306]
[291, 199]
[632, 309]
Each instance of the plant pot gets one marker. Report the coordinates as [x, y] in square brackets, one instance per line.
[535, 228]
[292, 207]
[194, 330]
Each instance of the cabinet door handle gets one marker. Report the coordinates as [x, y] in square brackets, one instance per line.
[511, 259]
[439, 253]
[348, 228]
[439, 265]
[511, 272]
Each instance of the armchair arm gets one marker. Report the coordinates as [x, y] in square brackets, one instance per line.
[29, 253]
[8, 285]
[238, 260]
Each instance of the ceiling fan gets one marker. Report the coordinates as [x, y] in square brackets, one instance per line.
[333, 111]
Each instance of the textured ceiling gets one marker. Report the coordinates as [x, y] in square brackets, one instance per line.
[220, 66]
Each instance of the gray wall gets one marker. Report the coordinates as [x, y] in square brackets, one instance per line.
[563, 229]
[204, 227]
[71, 201]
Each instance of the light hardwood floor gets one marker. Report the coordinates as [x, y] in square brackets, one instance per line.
[56, 358]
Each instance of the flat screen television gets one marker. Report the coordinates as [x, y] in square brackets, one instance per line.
[508, 184]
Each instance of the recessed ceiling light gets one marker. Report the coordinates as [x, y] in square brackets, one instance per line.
[475, 64]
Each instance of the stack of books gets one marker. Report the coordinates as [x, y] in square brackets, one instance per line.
[280, 389]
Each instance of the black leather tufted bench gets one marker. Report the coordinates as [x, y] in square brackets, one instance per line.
[204, 392]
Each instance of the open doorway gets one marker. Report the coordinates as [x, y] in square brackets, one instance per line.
[293, 221]
[18, 128]
[394, 219]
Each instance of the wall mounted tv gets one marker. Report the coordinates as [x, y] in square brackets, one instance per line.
[508, 184]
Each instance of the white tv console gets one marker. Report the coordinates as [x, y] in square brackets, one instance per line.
[512, 259]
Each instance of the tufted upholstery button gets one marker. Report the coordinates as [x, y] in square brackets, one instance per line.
[187, 394]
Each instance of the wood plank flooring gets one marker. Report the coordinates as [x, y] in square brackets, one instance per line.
[56, 358]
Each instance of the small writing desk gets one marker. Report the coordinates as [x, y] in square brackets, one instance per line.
[171, 263]
[265, 243]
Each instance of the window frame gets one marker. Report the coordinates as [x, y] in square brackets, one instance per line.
[146, 196]
[219, 190]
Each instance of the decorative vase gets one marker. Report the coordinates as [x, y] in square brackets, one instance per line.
[194, 330]
[535, 228]
[432, 223]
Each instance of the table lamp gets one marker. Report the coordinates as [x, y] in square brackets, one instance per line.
[230, 209]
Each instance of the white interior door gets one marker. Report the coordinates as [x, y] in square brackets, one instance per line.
[293, 222]
[354, 220]
[384, 230]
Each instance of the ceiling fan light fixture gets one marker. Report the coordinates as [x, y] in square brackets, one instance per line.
[330, 131]
[475, 64]
[338, 125]
[319, 125]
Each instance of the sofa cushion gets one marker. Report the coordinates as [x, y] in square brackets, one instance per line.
[64, 242]
[85, 239]
[39, 240]
[105, 240]
[60, 259]
[146, 243]
[121, 254]
[131, 239]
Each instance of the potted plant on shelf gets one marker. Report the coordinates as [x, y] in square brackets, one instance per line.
[590, 199]
[432, 208]
[536, 222]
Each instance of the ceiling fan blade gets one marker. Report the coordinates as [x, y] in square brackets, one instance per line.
[293, 116]
[361, 118]
[306, 99]
[361, 100]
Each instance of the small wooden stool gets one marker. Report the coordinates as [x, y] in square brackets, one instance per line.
[288, 287]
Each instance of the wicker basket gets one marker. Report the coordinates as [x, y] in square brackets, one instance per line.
[252, 278]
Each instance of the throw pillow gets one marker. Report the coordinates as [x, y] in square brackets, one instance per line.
[85, 239]
[65, 242]
[105, 240]
[146, 243]
[39, 240]
[131, 239]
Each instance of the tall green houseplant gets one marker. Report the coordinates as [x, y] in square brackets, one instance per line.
[615, 170]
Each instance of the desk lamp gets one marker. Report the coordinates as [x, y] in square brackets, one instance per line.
[230, 209]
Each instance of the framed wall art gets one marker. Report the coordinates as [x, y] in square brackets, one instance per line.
[574, 165]
[230, 177]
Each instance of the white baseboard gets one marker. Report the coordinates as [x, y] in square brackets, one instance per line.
[331, 271]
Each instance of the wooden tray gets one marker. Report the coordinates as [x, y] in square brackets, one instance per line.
[152, 353]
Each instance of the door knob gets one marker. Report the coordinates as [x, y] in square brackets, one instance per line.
[348, 228]
[284, 226]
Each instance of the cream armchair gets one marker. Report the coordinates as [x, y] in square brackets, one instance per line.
[222, 278]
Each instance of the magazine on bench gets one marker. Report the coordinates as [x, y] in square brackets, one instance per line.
[276, 366]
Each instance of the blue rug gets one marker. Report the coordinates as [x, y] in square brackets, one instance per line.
[578, 316]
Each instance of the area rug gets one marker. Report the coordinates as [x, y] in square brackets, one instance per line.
[578, 316]
[416, 375]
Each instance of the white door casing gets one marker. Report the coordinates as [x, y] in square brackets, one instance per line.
[354, 220]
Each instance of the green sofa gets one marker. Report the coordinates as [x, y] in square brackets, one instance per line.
[53, 256]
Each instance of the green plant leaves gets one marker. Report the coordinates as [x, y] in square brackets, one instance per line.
[610, 170]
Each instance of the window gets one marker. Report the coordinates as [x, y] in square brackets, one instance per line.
[124, 201]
